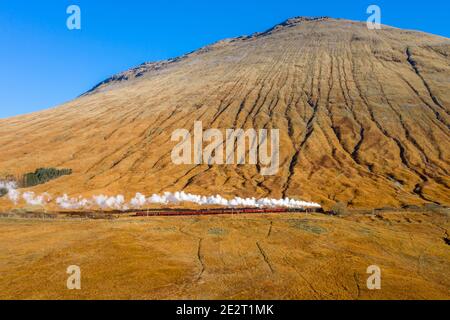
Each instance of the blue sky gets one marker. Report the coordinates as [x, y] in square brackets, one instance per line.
[44, 64]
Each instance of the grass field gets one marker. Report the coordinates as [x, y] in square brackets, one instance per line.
[294, 256]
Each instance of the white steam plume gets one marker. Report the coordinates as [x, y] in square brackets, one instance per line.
[33, 200]
[139, 201]
[67, 203]
[12, 193]
[177, 197]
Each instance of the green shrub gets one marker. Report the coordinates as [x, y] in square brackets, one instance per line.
[43, 175]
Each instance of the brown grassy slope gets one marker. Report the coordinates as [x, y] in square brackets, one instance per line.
[243, 257]
[363, 115]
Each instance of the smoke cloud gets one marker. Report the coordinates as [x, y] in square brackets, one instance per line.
[10, 187]
[179, 197]
[67, 203]
[139, 201]
[33, 200]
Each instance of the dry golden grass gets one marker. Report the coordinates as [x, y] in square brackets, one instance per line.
[295, 256]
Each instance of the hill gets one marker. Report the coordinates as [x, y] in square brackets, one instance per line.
[363, 118]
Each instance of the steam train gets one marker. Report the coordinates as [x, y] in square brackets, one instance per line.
[221, 211]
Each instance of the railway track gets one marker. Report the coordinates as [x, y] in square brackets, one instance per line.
[98, 214]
